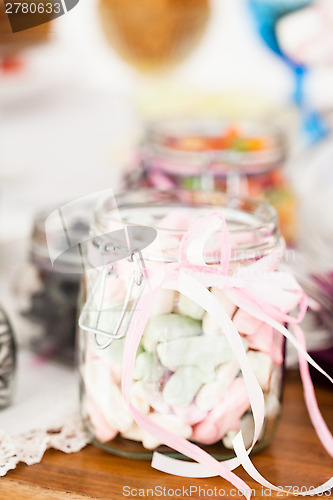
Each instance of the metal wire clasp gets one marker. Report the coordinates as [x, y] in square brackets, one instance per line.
[133, 294]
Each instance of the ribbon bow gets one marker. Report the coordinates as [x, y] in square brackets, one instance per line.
[259, 290]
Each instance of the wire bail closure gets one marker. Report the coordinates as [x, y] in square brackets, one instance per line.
[133, 294]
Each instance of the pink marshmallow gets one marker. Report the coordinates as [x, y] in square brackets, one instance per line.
[191, 414]
[245, 323]
[102, 429]
[262, 339]
[225, 416]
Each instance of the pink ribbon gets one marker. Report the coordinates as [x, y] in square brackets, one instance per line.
[266, 294]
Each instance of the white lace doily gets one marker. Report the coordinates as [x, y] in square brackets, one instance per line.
[44, 414]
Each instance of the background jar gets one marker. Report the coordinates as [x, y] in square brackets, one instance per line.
[243, 158]
[178, 396]
[46, 294]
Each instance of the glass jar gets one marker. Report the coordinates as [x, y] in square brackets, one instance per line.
[186, 378]
[7, 361]
[240, 158]
[46, 294]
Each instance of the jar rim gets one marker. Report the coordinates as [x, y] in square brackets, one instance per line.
[255, 217]
[158, 154]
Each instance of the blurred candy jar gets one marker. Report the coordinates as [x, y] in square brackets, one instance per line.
[186, 378]
[46, 295]
[239, 157]
[7, 361]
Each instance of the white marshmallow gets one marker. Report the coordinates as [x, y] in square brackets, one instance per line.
[148, 367]
[107, 395]
[164, 303]
[189, 308]
[183, 385]
[261, 364]
[138, 397]
[210, 394]
[167, 327]
[207, 352]
[247, 428]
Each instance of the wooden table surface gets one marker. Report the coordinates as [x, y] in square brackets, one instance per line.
[295, 457]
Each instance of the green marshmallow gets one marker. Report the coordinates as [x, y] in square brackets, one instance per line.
[166, 327]
[183, 385]
[189, 308]
[207, 352]
[148, 367]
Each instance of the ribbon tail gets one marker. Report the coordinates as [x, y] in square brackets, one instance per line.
[316, 417]
[190, 450]
[253, 472]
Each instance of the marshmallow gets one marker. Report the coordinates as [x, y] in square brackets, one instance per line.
[167, 327]
[209, 324]
[148, 367]
[189, 308]
[169, 422]
[207, 352]
[246, 323]
[138, 397]
[107, 395]
[214, 391]
[163, 303]
[225, 416]
[247, 428]
[102, 429]
[183, 385]
[261, 365]
[225, 302]
[262, 339]
[191, 414]
[272, 406]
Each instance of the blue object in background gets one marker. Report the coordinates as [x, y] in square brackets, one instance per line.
[266, 14]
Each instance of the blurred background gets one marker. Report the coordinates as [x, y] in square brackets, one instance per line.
[77, 93]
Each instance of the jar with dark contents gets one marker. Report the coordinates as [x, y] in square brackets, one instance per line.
[47, 294]
[7, 361]
[240, 158]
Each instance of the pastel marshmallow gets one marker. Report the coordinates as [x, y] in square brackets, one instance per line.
[207, 352]
[189, 308]
[272, 406]
[262, 339]
[246, 323]
[102, 429]
[183, 385]
[191, 414]
[169, 422]
[247, 428]
[148, 367]
[167, 327]
[138, 397]
[163, 303]
[107, 395]
[261, 364]
[225, 302]
[225, 416]
[216, 390]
